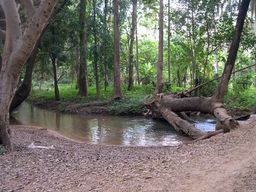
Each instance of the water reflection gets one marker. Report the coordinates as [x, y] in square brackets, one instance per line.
[112, 130]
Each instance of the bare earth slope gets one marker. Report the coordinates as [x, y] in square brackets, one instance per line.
[224, 163]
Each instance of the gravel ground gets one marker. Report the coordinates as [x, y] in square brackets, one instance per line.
[223, 163]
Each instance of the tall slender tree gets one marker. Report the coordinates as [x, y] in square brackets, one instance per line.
[230, 63]
[82, 69]
[117, 78]
[169, 42]
[159, 83]
[105, 41]
[131, 45]
[137, 57]
[95, 51]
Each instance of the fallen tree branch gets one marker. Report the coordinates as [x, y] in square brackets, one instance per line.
[210, 134]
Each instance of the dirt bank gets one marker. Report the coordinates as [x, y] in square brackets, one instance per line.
[222, 163]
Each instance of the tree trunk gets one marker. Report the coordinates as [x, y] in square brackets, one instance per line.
[159, 83]
[82, 71]
[95, 51]
[55, 78]
[133, 28]
[23, 91]
[17, 49]
[105, 46]
[137, 57]
[229, 65]
[166, 106]
[169, 42]
[117, 78]
[5, 134]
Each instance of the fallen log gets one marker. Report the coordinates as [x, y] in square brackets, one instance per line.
[169, 106]
[180, 125]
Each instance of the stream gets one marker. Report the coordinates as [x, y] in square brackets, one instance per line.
[106, 129]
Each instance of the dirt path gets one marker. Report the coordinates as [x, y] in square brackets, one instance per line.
[224, 163]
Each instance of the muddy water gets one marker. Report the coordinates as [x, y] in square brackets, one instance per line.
[99, 129]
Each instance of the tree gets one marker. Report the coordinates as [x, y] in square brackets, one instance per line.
[23, 90]
[230, 63]
[95, 51]
[159, 83]
[133, 29]
[117, 79]
[82, 68]
[169, 42]
[19, 43]
[168, 105]
[105, 41]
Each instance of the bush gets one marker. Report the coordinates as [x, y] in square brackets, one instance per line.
[244, 100]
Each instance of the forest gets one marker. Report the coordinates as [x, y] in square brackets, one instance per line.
[98, 51]
[128, 95]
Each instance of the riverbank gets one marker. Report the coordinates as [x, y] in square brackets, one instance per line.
[223, 163]
[122, 107]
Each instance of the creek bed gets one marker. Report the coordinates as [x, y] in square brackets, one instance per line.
[106, 129]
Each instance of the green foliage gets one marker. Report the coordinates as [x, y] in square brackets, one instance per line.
[243, 100]
[201, 32]
[126, 107]
[68, 92]
[243, 82]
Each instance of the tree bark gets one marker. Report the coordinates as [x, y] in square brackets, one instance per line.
[105, 46]
[166, 106]
[24, 89]
[55, 79]
[133, 28]
[82, 71]
[137, 57]
[169, 42]
[229, 65]
[18, 47]
[117, 78]
[95, 51]
[159, 83]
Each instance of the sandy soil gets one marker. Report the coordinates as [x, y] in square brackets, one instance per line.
[223, 163]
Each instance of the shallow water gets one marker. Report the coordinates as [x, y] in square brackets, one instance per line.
[104, 129]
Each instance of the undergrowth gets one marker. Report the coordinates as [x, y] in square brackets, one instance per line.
[132, 101]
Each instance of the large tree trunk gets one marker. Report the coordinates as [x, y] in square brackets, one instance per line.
[159, 81]
[24, 89]
[133, 28]
[18, 47]
[117, 78]
[82, 69]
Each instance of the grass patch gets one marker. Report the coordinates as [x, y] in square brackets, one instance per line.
[69, 93]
